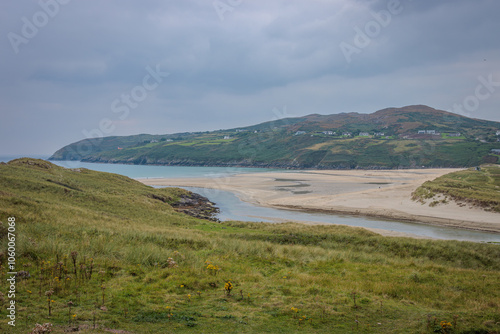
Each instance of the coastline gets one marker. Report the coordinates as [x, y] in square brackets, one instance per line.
[374, 193]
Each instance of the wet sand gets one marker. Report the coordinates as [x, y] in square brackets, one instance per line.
[383, 194]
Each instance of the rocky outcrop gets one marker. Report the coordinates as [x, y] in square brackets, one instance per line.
[196, 206]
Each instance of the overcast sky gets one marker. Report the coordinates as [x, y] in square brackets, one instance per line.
[71, 69]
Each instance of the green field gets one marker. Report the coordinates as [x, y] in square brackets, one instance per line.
[285, 150]
[129, 262]
[447, 136]
[477, 187]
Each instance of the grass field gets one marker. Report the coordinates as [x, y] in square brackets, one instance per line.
[476, 187]
[127, 261]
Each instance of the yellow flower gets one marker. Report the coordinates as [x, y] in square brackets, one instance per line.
[445, 324]
[74, 316]
[29, 291]
[182, 285]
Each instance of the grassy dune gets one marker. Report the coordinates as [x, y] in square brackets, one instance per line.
[476, 187]
[127, 261]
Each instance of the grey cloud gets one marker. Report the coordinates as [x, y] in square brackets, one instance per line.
[229, 73]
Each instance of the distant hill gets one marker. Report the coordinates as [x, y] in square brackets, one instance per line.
[412, 136]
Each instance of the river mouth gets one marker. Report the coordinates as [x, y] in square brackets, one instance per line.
[233, 208]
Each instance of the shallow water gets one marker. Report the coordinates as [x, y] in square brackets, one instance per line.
[232, 208]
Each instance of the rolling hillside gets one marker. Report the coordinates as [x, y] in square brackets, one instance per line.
[412, 136]
[102, 253]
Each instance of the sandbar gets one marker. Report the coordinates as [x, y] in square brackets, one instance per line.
[375, 193]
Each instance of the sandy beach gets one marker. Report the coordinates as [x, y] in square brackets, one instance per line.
[384, 194]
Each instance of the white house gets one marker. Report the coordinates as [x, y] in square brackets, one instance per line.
[498, 133]
[330, 133]
[227, 137]
[153, 141]
[346, 134]
[364, 134]
[300, 133]
[421, 132]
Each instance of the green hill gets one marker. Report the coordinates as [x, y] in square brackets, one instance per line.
[388, 138]
[129, 263]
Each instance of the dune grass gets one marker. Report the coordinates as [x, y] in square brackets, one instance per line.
[127, 261]
[476, 187]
